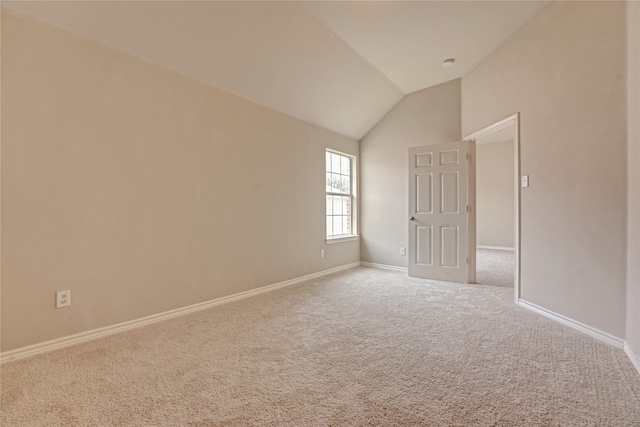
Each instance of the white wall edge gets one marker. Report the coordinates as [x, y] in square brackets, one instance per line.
[496, 248]
[56, 344]
[593, 332]
[384, 266]
[635, 359]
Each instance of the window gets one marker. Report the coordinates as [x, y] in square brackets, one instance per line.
[341, 208]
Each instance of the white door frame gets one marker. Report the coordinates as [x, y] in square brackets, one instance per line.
[513, 120]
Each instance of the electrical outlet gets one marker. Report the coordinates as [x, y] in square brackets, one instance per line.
[63, 299]
[321, 253]
[403, 251]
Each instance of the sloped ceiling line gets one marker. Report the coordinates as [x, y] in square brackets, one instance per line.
[338, 65]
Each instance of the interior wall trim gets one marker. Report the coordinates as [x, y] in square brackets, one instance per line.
[635, 359]
[384, 266]
[496, 248]
[512, 120]
[56, 344]
[574, 324]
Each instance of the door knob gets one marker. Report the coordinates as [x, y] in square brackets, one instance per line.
[412, 218]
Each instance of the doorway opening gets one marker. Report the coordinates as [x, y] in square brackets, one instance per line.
[496, 198]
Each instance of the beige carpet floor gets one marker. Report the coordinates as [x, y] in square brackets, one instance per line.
[365, 347]
[495, 267]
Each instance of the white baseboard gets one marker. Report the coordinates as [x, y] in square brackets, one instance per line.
[595, 333]
[67, 341]
[496, 248]
[384, 266]
[635, 359]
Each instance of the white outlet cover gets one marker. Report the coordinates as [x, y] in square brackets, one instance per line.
[63, 299]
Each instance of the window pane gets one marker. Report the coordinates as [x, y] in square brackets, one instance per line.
[329, 205]
[337, 225]
[345, 165]
[337, 205]
[334, 183]
[345, 184]
[330, 226]
[338, 183]
[335, 163]
[328, 162]
[345, 226]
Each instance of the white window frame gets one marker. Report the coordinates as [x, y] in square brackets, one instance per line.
[354, 201]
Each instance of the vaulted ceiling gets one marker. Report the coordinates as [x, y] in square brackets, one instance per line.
[339, 65]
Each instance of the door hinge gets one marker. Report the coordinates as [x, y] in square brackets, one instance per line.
[468, 260]
[468, 208]
[468, 156]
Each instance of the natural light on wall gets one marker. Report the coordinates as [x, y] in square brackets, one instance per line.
[340, 183]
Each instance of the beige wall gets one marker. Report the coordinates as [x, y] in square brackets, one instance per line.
[633, 190]
[429, 116]
[564, 72]
[494, 194]
[143, 191]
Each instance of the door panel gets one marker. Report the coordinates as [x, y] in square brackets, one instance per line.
[439, 223]
[449, 193]
[424, 193]
[450, 247]
[424, 250]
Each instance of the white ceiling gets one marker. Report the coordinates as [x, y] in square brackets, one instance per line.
[339, 65]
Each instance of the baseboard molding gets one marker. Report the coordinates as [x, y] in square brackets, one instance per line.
[384, 266]
[496, 248]
[82, 337]
[593, 332]
[635, 359]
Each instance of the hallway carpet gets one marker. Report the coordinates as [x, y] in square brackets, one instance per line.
[495, 267]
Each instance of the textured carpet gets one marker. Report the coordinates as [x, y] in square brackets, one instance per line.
[365, 347]
[494, 267]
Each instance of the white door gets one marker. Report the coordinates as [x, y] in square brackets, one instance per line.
[439, 205]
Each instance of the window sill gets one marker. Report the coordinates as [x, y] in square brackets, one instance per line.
[331, 240]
